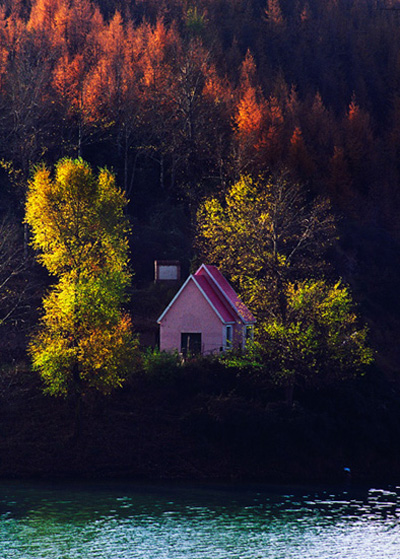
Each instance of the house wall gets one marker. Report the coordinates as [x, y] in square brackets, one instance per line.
[191, 313]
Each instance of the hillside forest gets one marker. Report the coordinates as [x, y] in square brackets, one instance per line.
[180, 99]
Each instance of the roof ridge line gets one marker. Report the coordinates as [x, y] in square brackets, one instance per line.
[209, 301]
[192, 277]
[223, 292]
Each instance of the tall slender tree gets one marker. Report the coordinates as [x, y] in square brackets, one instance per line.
[84, 340]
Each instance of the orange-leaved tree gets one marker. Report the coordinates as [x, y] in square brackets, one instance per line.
[78, 226]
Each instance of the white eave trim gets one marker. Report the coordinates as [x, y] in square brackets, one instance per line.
[191, 277]
[174, 299]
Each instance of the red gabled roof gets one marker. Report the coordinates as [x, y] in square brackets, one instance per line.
[220, 295]
[215, 298]
[227, 296]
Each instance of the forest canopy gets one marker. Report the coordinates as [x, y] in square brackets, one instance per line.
[188, 96]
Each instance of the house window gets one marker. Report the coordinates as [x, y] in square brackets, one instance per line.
[190, 343]
[248, 334]
[228, 335]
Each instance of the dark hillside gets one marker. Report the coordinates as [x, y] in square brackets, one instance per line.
[201, 423]
[180, 99]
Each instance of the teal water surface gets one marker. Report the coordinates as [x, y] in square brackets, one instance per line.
[181, 522]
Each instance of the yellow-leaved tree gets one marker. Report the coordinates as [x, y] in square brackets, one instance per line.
[84, 340]
[271, 240]
[264, 234]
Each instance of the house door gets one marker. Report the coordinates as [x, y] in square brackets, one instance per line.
[190, 343]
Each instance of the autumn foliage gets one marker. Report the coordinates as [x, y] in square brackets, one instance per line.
[84, 340]
[182, 98]
[188, 97]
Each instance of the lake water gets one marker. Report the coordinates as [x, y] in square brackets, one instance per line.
[119, 521]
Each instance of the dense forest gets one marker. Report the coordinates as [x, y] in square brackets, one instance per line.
[181, 98]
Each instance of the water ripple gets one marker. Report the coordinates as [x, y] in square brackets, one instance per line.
[161, 522]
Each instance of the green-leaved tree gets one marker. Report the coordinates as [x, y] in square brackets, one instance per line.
[320, 342]
[271, 241]
[84, 340]
[263, 234]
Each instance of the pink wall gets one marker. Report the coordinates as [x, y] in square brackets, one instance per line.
[191, 313]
